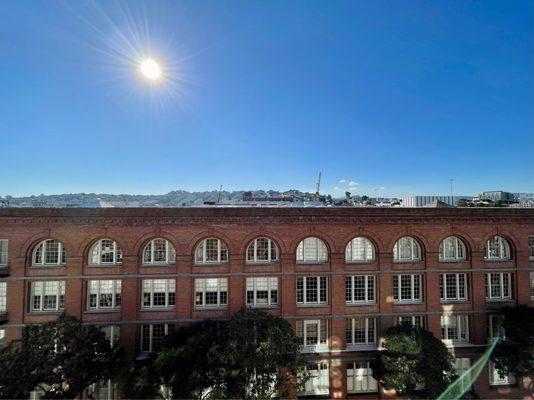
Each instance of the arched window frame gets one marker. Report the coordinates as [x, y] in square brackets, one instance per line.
[503, 249]
[369, 252]
[150, 250]
[459, 250]
[415, 250]
[201, 252]
[43, 248]
[321, 251]
[95, 254]
[272, 252]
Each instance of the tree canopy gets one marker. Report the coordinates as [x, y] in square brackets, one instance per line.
[414, 363]
[62, 358]
[514, 354]
[253, 355]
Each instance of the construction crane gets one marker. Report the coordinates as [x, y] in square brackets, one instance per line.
[317, 192]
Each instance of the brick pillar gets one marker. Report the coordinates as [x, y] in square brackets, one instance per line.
[338, 380]
[73, 287]
[337, 301]
[236, 284]
[288, 297]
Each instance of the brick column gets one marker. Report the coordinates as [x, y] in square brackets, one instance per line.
[338, 380]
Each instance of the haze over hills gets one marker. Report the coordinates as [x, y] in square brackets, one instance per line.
[175, 198]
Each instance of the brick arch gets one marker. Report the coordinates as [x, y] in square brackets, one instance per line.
[418, 236]
[26, 250]
[467, 240]
[508, 236]
[328, 241]
[262, 233]
[206, 234]
[85, 247]
[141, 243]
[370, 235]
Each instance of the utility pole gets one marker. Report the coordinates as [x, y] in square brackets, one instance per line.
[452, 197]
[219, 196]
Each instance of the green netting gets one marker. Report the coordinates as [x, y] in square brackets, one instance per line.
[461, 385]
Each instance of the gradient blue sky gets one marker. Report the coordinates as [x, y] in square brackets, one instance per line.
[399, 95]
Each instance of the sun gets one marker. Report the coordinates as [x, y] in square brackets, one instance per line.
[150, 69]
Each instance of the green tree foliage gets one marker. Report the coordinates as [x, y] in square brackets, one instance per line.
[514, 354]
[414, 363]
[253, 355]
[62, 358]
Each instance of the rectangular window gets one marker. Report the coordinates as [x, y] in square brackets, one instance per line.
[411, 320]
[152, 336]
[407, 288]
[318, 382]
[495, 328]
[360, 378]
[3, 297]
[462, 366]
[499, 286]
[104, 295]
[360, 289]
[531, 247]
[455, 328]
[532, 285]
[113, 333]
[159, 293]
[48, 296]
[312, 290]
[313, 334]
[262, 291]
[360, 331]
[453, 287]
[3, 252]
[2, 337]
[496, 379]
[211, 292]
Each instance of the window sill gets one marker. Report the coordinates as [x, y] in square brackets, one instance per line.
[406, 261]
[215, 264]
[103, 311]
[312, 262]
[48, 266]
[210, 308]
[498, 260]
[450, 343]
[360, 304]
[315, 349]
[158, 265]
[361, 391]
[454, 301]
[357, 262]
[500, 300]
[158, 309]
[362, 347]
[262, 306]
[408, 303]
[35, 312]
[452, 261]
[322, 305]
[259, 263]
[103, 265]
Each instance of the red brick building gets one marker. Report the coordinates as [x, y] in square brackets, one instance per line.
[341, 276]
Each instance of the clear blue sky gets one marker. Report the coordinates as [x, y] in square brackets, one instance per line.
[265, 94]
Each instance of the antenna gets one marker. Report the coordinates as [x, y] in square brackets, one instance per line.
[219, 196]
[317, 192]
[451, 181]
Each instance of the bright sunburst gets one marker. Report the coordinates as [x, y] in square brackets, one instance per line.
[151, 69]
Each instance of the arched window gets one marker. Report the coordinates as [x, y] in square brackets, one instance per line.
[406, 249]
[211, 251]
[49, 252]
[497, 248]
[105, 251]
[159, 251]
[452, 248]
[359, 249]
[312, 250]
[262, 250]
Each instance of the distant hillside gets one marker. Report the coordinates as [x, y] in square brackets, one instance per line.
[176, 198]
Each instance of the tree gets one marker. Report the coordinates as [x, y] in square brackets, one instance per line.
[62, 358]
[514, 354]
[414, 363]
[253, 355]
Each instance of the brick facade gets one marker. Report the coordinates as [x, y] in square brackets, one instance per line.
[132, 229]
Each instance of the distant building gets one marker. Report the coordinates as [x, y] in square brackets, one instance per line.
[421, 201]
[497, 195]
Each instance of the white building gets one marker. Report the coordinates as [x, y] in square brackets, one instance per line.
[421, 201]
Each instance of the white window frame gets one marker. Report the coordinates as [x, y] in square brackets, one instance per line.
[496, 380]
[460, 323]
[462, 365]
[95, 253]
[532, 286]
[531, 248]
[370, 327]
[494, 321]
[319, 379]
[503, 249]
[201, 252]
[272, 252]
[360, 378]
[322, 296]
[412, 320]
[360, 246]
[457, 285]
[313, 244]
[267, 284]
[96, 285]
[3, 297]
[4, 252]
[502, 286]
[62, 255]
[39, 288]
[112, 333]
[415, 250]
[170, 253]
[322, 334]
[459, 249]
[201, 286]
[397, 288]
[167, 330]
[149, 287]
[369, 288]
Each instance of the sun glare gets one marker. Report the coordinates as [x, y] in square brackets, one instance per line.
[151, 69]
